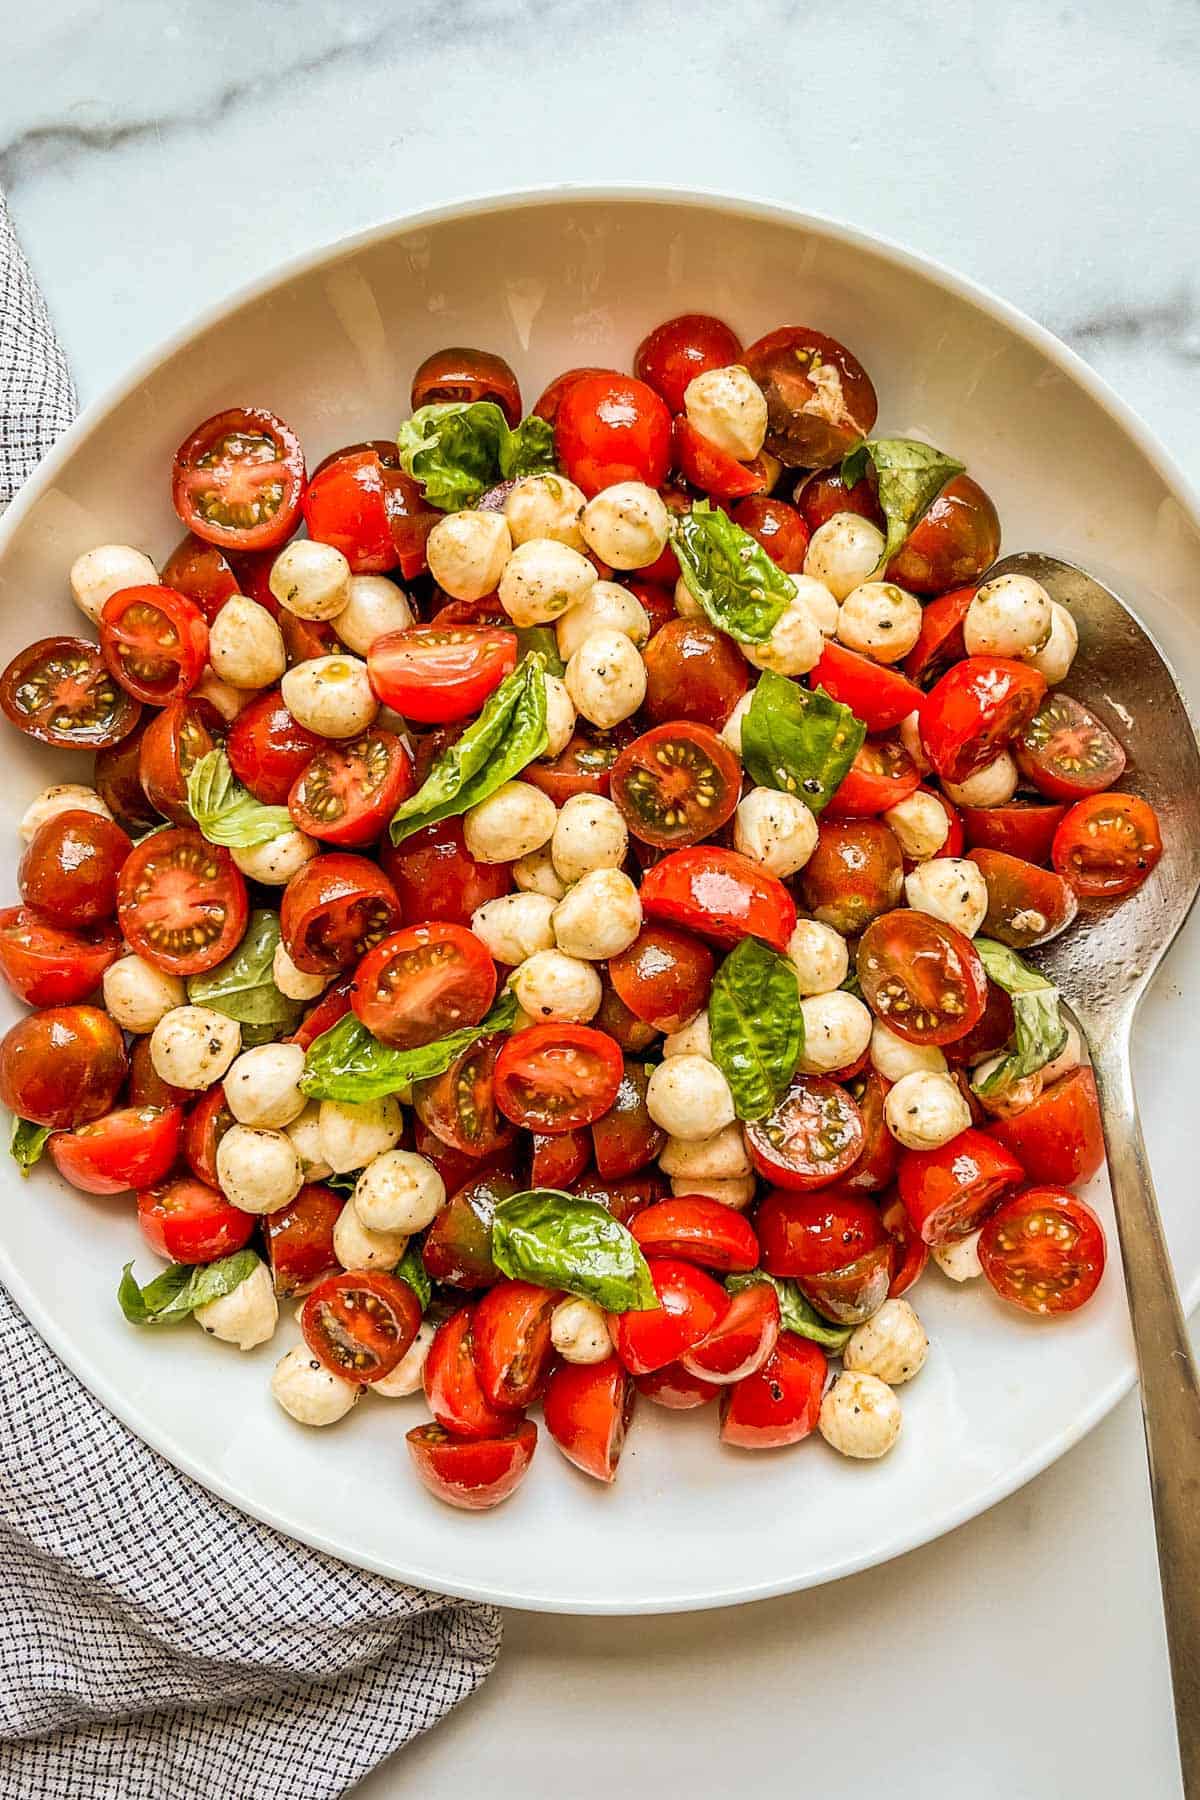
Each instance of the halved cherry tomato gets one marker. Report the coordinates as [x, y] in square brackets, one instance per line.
[676, 784]
[587, 1408]
[720, 894]
[182, 902]
[940, 642]
[47, 966]
[626, 1137]
[1107, 845]
[876, 1166]
[423, 982]
[326, 1012]
[880, 696]
[119, 785]
[155, 642]
[812, 1135]
[779, 1403]
[856, 1291]
[743, 1340]
[1065, 752]
[130, 1148]
[349, 790]
[560, 1159]
[1059, 1139]
[584, 767]
[675, 352]
[1043, 1250]
[693, 672]
[1026, 905]
[511, 1334]
[698, 1230]
[1023, 828]
[820, 400]
[345, 504]
[299, 1239]
[453, 1390]
[816, 1233]
[472, 1474]
[947, 1192]
[201, 573]
[822, 495]
[922, 977]
[334, 910]
[59, 691]
[459, 1106]
[551, 397]
[62, 1067]
[170, 747]
[611, 428]
[910, 1253]
[204, 1127]
[146, 1087]
[238, 480]
[191, 1222]
[458, 1245]
[435, 673]
[663, 977]
[467, 375]
[690, 1304]
[269, 749]
[990, 1033]
[778, 527]
[676, 1388]
[956, 538]
[881, 775]
[557, 1077]
[855, 873]
[706, 466]
[70, 869]
[436, 877]
[360, 1323]
[614, 1016]
[976, 708]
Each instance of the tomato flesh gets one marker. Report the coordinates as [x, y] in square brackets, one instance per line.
[820, 399]
[459, 1106]
[1058, 1140]
[555, 1078]
[181, 902]
[465, 376]
[348, 792]
[1065, 752]
[170, 747]
[812, 1135]
[511, 1336]
[1026, 905]
[1107, 845]
[433, 673]
[1024, 828]
[855, 873]
[922, 977]
[154, 641]
[706, 466]
[422, 983]
[721, 895]
[334, 910]
[881, 775]
[60, 691]
[743, 1340]
[780, 1402]
[587, 1408]
[130, 1148]
[453, 1390]
[1044, 1251]
[690, 1304]
[947, 1192]
[676, 784]
[238, 480]
[360, 1323]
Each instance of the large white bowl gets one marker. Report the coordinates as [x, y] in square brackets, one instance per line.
[552, 280]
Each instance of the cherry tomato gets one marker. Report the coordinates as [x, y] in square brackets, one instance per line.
[204, 1127]
[69, 871]
[805, 1234]
[676, 1388]
[991, 1032]
[813, 1134]
[779, 1403]
[300, 1239]
[47, 966]
[881, 775]
[181, 902]
[145, 1086]
[693, 672]
[269, 750]
[1026, 905]
[855, 873]
[334, 910]
[626, 1137]
[170, 747]
[584, 767]
[664, 977]
[201, 573]
[433, 674]
[1065, 752]
[909, 1253]
[348, 792]
[458, 1245]
[238, 480]
[62, 1067]
[557, 1077]
[953, 542]
[321, 1017]
[674, 353]
[876, 1165]
[459, 1106]
[855, 1292]
[778, 527]
[697, 1230]
[345, 504]
[976, 708]
[824, 494]
[436, 877]
[1059, 1139]
[706, 466]
[155, 642]
[676, 784]
[466, 376]
[472, 1474]
[1107, 845]
[1044, 1250]
[743, 1340]
[453, 1390]
[922, 977]
[953, 845]
[411, 519]
[720, 894]
[560, 1159]
[587, 1408]
[118, 783]
[614, 1016]
[189, 1221]
[59, 691]
[130, 1148]
[360, 1323]
[1023, 828]
[690, 1304]
[820, 400]
[941, 640]
[948, 1191]
[881, 697]
[511, 1333]
[611, 428]
[423, 982]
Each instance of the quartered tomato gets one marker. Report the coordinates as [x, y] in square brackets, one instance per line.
[690, 1304]
[45, 965]
[674, 353]
[941, 638]
[70, 869]
[1065, 752]
[557, 1077]
[459, 1106]
[693, 672]
[435, 673]
[171, 745]
[880, 696]
[676, 784]
[822, 495]
[269, 749]
[201, 573]
[947, 1192]
[706, 466]
[816, 1233]
[472, 1474]
[611, 428]
[778, 527]
[422, 983]
[334, 910]
[876, 1165]
[436, 877]
[62, 1067]
[182, 902]
[676, 1388]
[664, 977]
[559, 1159]
[1044, 1250]
[881, 775]
[910, 1253]
[1107, 845]
[299, 1239]
[922, 977]
[780, 1402]
[511, 1334]
[743, 1340]
[191, 1222]
[238, 480]
[453, 1390]
[698, 1230]
[977, 708]
[1023, 828]
[130, 1148]
[584, 767]
[204, 1127]
[349, 790]
[360, 1323]
[154, 641]
[720, 894]
[810, 1137]
[855, 1292]
[1059, 1138]
[466, 376]
[820, 400]
[625, 1137]
[855, 873]
[59, 691]
[956, 538]
[1026, 905]
[587, 1408]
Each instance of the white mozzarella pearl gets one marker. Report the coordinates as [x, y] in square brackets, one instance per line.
[408, 1375]
[467, 551]
[860, 1416]
[589, 833]
[950, 888]
[376, 606]
[879, 620]
[689, 1097]
[535, 874]
[353, 1132]
[820, 602]
[837, 1029]
[843, 553]
[542, 579]
[819, 956]
[514, 927]
[138, 995]
[1056, 655]
[259, 1170]
[959, 1259]
[305, 1133]
[579, 1332]
[626, 525]
[246, 1317]
[551, 985]
[692, 1039]
[600, 916]
[993, 786]
[721, 1157]
[228, 700]
[245, 645]
[309, 1392]
[910, 738]
[262, 1085]
[606, 679]
[776, 830]
[545, 506]
[64, 796]
[294, 983]
[925, 1110]
[514, 820]
[100, 573]
[606, 607]
[892, 1345]
[330, 695]
[399, 1191]
[920, 825]
[893, 1058]
[275, 862]
[794, 646]
[728, 407]
[736, 1191]
[358, 1246]
[1008, 616]
[731, 730]
[560, 718]
[311, 580]
[686, 604]
[192, 1046]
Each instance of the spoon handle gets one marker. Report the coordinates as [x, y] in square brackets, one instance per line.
[1169, 1385]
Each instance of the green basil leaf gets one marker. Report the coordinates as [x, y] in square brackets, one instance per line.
[1039, 1031]
[343, 1181]
[411, 1268]
[458, 449]
[562, 1241]
[529, 450]
[348, 1063]
[756, 1025]
[795, 1313]
[800, 742]
[508, 734]
[541, 640]
[243, 986]
[729, 574]
[911, 475]
[27, 1143]
[183, 1287]
[227, 813]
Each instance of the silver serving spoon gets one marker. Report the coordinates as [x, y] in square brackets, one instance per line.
[1103, 966]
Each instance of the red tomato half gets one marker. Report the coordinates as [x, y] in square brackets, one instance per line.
[131, 1148]
[706, 466]
[948, 1192]
[459, 1106]
[881, 697]
[466, 376]
[348, 792]
[693, 672]
[433, 674]
[625, 1137]
[555, 1078]
[324, 1015]
[59, 691]
[676, 784]
[47, 966]
[1059, 1139]
[1065, 752]
[612, 428]
[663, 977]
[238, 480]
[690, 1304]
[743, 1340]
[1044, 1250]
[941, 638]
[778, 527]
[698, 1230]
[976, 708]
[511, 1333]
[422, 983]
[300, 1239]
[1107, 845]
[70, 870]
[1026, 905]
[720, 894]
[587, 1408]
[205, 1126]
[881, 775]
[876, 1166]
[182, 902]
[920, 976]
[360, 1323]
[334, 910]
[269, 749]
[62, 1067]
[436, 877]
[155, 642]
[674, 353]
[473, 1475]
[817, 1233]
[171, 745]
[191, 1222]
[778, 1404]
[813, 1134]
[453, 1390]
[1023, 828]
[820, 400]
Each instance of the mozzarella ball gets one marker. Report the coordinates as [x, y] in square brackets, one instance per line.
[192, 1046]
[819, 956]
[626, 525]
[837, 1029]
[138, 995]
[1068, 1058]
[959, 1259]
[311, 580]
[560, 717]
[408, 1375]
[64, 796]
[910, 738]
[843, 553]
[247, 1316]
[275, 862]
[1008, 616]
[721, 1157]
[375, 607]
[731, 730]
[514, 820]
[606, 679]
[330, 695]
[294, 983]
[262, 1086]
[736, 1192]
[879, 620]
[467, 551]
[776, 830]
[228, 700]
[606, 607]
[892, 1345]
[542, 579]
[819, 601]
[100, 573]
[354, 1133]
[692, 1039]
[305, 1133]
[893, 1058]
[993, 786]
[794, 646]
[358, 1246]
[309, 1392]
[245, 645]
[689, 1097]
[950, 888]
[259, 1170]
[686, 604]
[399, 1191]
[545, 506]
[514, 927]
[920, 825]
[535, 873]
[600, 916]
[860, 1416]
[589, 833]
[552, 985]
[579, 1332]
[925, 1110]
[1056, 655]
[728, 407]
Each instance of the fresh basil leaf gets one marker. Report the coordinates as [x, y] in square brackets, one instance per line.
[911, 475]
[756, 1025]
[348, 1063]
[795, 1313]
[243, 986]
[540, 640]
[458, 449]
[411, 1268]
[729, 574]
[508, 734]
[529, 450]
[1039, 1030]
[183, 1287]
[562, 1241]
[343, 1181]
[27, 1143]
[800, 742]
[227, 813]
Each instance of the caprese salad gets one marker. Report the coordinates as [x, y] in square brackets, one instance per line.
[559, 887]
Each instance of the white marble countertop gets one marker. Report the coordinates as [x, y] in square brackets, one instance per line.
[157, 157]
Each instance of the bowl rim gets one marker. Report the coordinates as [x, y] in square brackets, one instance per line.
[328, 254]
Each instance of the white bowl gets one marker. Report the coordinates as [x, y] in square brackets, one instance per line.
[552, 280]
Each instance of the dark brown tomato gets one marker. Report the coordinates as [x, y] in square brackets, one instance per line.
[875, 1169]
[820, 399]
[990, 1033]
[59, 691]
[584, 767]
[855, 873]
[467, 376]
[1026, 905]
[69, 871]
[118, 783]
[201, 573]
[632, 1033]
[952, 543]
[1065, 752]
[269, 749]
[626, 1138]
[146, 1086]
[693, 672]
[664, 977]
[458, 1245]
[778, 527]
[62, 1067]
[170, 747]
[300, 1239]
[459, 1106]
[823, 495]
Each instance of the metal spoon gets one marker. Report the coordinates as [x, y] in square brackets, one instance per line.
[1103, 966]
